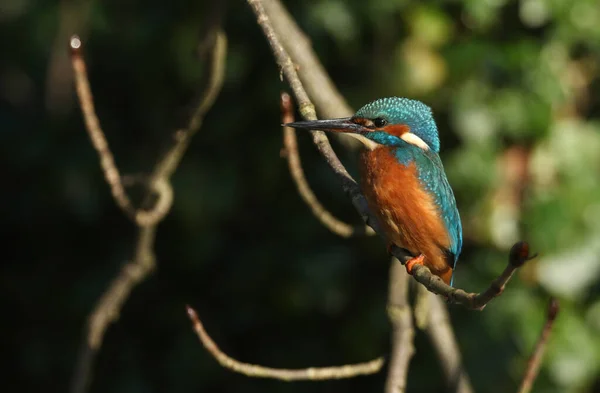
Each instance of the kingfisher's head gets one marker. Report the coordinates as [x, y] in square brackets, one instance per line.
[392, 121]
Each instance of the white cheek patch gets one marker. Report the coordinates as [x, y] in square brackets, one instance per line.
[413, 139]
[367, 143]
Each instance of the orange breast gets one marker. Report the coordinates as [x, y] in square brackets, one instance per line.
[406, 211]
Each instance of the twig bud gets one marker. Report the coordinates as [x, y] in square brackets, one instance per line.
[553, 308]
[75, 44]
[519, 254]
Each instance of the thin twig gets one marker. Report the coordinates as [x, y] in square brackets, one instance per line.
[143, 263]
[439, 330]
[535, 361]
[400, 315]
[307, 110]
[59, 78]
[92, 124]
[305, 374]
[109, 305]
[328, 100]
[293, 158]
[519, 254]
[182, 137]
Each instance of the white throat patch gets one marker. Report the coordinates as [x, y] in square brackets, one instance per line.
[367, 143]
[407, 137]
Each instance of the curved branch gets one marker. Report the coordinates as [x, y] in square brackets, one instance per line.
[256, 371]
[182, 137]
[307, 110]
[328, 100]
[293, 158]
[109, 305]
[92, 125]
[533, 366]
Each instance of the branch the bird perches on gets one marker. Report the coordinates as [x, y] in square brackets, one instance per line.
[518, 255]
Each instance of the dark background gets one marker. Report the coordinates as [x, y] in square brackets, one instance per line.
[513, 87]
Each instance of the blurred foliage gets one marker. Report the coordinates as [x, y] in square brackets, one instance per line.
[513, 87]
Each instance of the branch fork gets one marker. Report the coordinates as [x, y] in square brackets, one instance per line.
[109, 305]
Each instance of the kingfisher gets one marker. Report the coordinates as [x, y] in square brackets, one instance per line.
[403, 180]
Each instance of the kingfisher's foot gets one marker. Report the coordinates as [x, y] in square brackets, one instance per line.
[420, 260]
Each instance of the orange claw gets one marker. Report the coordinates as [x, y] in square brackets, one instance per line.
[420, 260]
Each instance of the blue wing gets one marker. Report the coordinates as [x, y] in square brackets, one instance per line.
[431, 173]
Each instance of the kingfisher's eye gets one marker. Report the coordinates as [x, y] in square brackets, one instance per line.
[379, 122]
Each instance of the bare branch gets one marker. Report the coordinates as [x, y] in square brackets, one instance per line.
[440, 333]
[400, 314]
[293, 157]
[307, 110]
[159, 180]
[144, 262]
[182, 137]
[533, 366]
[256, 371]
[92, 124]
[109, 306]
[59, 76]
[162, 205]
[328, 100]
[519, 254]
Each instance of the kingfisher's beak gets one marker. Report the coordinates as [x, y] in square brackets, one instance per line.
[345, 125]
